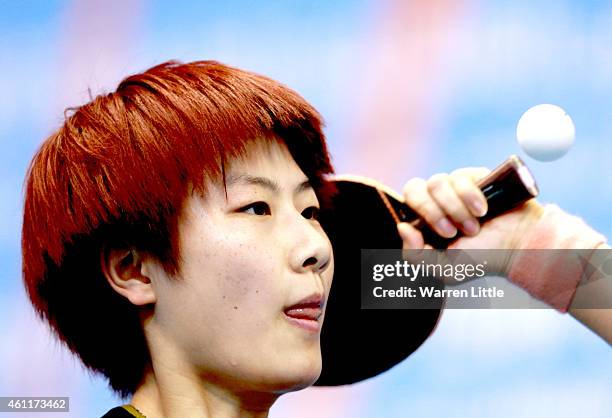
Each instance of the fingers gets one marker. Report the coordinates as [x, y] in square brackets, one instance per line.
[442, 188]
[411, 237]
[413, 241]
[417, 196]
[470, 195]
[449, 201]
[465, 181]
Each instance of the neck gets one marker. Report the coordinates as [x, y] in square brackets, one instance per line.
[170, 393]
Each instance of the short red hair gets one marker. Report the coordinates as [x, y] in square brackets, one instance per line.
[117, 173]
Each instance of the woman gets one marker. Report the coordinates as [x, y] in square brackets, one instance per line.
[171, 239]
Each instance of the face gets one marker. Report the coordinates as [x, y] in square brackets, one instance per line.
[256, 267]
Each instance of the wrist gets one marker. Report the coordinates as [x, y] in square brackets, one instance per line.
[552, 276]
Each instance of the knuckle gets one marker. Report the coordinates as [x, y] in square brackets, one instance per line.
[463, 185]
[437, 181]
[413, 184]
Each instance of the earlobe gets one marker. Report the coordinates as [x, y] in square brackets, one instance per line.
[123, 269]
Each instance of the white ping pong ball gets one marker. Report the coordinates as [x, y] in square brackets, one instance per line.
[545, 132]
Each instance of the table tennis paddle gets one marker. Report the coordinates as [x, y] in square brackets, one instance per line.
[362, 214]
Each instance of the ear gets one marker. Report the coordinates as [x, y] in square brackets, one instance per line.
[123, 269]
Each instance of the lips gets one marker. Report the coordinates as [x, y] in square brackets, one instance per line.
[310, 308]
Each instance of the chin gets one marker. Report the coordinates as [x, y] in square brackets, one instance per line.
[308, 379]
[295, 376]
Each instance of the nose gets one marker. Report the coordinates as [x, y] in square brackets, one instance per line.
[310, 249]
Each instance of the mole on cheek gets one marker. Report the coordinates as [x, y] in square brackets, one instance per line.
[235, 307]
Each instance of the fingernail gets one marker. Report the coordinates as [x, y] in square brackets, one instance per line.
[470, 226]
[478, 207]
[446, 228]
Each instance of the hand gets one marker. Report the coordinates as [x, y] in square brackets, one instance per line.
[449, 199]
[453, 202]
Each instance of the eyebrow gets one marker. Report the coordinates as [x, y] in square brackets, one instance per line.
[266, 183]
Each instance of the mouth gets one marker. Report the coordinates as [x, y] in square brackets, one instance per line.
[306, 314]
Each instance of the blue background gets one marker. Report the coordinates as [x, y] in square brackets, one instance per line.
[407, 89]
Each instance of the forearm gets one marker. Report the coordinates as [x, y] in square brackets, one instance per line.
[596, 293]
[558, 279]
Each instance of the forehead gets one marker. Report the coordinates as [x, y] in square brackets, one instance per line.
[265, 163]
[263, 156]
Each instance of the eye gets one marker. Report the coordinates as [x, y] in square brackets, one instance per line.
[311, 212]
[257, 208]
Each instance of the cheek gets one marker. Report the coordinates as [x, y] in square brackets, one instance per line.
[238, 272]
[248, 280]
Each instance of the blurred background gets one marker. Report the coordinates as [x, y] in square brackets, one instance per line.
[407, 88]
